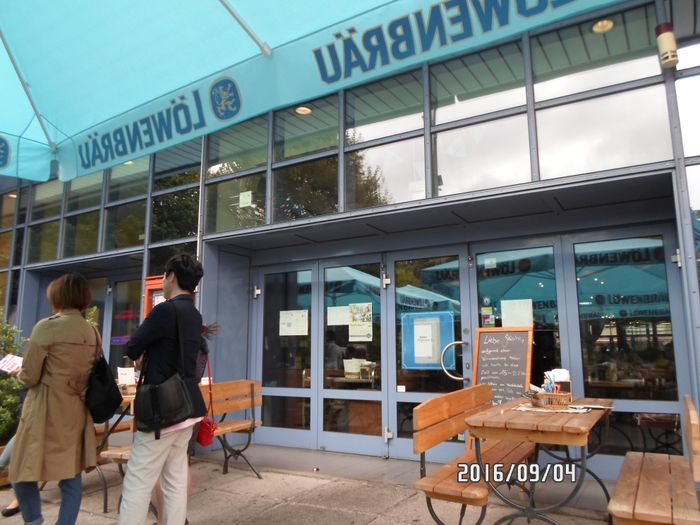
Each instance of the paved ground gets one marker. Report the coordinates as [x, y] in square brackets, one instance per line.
[295, 497]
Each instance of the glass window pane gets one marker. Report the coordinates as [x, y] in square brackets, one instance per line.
[383, 108]
[14, 297]
[178, 165]
[353, 416]
[478, 83]
[355, 288]
[5, 249]
[286, 412]
[124, 225]
[238, 148]
[175, 215]
[619, 130]
[23, 203]
[125, 320]
[576, 58]
[80, 234]
[385, 174]
[43, 241]
[306, 190]
[689, 56]
[625, 319]
[523, 274]
[286, 329]
[236, 203]
[471, 158]
[306, 128]
[159, 256]
[693, 177]
[47, 199]
[427, 285]
[687, 90]
[3, 292]
[19, 244]
[639, 432]
[84, 192]
[128, 180]
[7, 209]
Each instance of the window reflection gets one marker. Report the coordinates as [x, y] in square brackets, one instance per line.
[128, 179]
[306, 190]
[625, 129]
[687, 90]
[385, 174]
[478, 83]
[84, 192]
[23, 203]
[43, 241]
[625, 319]
[352, 331]
[236, 203]
[178, 165]
[640, 432]
[175, 215]
[80, 234]
[7, 209]
[124, 225]
[306, 128]
[125, 321]
[47, 199]
[3, 289]
[688, 56]
[159, 256]
[471, 158]
[5, 249]
[422, 286]
[576, 59]
[693, 177]
[286, 412]
[353, 416]
[383, 108]
[238, 148]
[19, 245]
[523, 274]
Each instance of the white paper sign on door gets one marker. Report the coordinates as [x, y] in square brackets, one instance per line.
[294, 322]
[338, 315]
[516, 312]
[360, 328]
[426, 340]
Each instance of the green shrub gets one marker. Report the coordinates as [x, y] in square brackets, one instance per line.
[11, 342]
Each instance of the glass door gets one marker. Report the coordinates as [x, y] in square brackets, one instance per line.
[125, 313]
[426, 312]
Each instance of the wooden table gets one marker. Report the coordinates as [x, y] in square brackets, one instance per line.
[502, 422]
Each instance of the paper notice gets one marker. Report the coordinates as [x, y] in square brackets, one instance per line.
[517, 312]
[426, 340]
[10, 363]
[360, 327]
[126, 375]
[245, 199]
[294, 322]
[338, 315]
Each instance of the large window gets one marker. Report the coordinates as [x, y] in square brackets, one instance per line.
[128, 180]
[385, 174]
[236, 203]
[178, 165]
[625, 129]
[238, 148]
[306, 128]
[586, 56]
[689, 109]
[43, 241]
[84, 192]
[479, 83]
[5, 249]
[80, 234]
[175, 215]
[383, 108]
[47, 199]
[306, 190]
[471, 158]
[124, 225]
[8, 202]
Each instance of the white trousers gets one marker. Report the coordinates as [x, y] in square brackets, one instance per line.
[151, 460]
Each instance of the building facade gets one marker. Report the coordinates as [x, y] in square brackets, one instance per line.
[560, 167]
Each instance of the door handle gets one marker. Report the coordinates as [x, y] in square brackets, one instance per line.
[442, 360]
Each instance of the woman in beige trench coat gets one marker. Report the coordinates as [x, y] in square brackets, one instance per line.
[55, 440]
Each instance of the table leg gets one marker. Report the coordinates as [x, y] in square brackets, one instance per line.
[531, 511]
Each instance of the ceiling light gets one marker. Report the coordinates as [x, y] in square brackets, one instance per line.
[12, 195]
[304, 110]
[603, 26]
[128, 163]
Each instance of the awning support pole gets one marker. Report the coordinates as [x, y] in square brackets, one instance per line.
[264, 47]
[51, 143]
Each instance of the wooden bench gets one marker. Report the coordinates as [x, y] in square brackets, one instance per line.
[660, 488]
[229, 397]
[443, 417]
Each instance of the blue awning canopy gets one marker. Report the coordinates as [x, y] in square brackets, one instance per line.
[94, 84]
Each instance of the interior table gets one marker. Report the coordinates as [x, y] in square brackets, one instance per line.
[545, 427]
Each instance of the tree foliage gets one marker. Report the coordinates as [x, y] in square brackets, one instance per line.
[11, 342]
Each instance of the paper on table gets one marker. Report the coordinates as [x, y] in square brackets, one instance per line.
[588, 405]
[10, 363]
[126, 375]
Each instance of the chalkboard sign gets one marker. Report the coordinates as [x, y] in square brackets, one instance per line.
[502, 359]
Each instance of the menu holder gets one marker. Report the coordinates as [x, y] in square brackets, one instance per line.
[502, 359]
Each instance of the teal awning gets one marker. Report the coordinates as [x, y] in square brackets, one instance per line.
[94, 84]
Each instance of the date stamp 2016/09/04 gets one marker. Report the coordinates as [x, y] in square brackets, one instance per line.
[516, 472]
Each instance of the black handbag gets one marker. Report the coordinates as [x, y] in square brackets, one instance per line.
[168, 403]
[103, 396]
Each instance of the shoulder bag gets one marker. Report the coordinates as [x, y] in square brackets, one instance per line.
[103, 396]
[207, 427]
[168, 403]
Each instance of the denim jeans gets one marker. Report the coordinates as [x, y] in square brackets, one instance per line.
[6, 454]
[27, 493]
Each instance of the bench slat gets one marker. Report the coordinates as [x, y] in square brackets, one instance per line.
[685, 499]
[622, 502]
[654, 494]
[692, 435]
[237, 425]
[442, 431]
[446, 406]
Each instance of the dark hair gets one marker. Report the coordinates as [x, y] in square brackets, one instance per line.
[210, 330]
[70, 290]
[188, 270]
